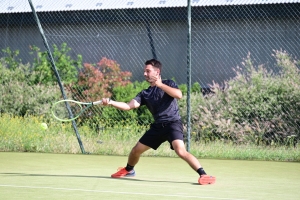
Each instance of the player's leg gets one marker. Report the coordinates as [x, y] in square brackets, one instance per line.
[151, 139]
[133, 159]
[180, 150]
[136, 153]
[175, 138]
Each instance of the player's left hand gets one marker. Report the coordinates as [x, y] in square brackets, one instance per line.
[156, 80]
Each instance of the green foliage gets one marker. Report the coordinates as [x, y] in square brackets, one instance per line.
[19, 97]
[102, 116]
[195, 88]
[101, 81]
[10, 58]
[27, 90]
[256, 106]
[128, 92]
[66, 66]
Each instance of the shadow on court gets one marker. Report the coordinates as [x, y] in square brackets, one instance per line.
[96, 177]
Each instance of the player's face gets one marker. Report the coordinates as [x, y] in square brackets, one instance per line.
[150, 71]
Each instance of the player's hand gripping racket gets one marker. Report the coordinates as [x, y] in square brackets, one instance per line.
[68, 110]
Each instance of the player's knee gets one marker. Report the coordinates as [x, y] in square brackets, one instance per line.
[133, 151]
[136, 151]
[182, 153]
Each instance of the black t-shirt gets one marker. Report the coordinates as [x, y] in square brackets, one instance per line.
[163, 107]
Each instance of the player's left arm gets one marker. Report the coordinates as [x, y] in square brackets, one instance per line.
[173, 92]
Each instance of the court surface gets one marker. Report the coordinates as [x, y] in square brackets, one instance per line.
[66, 176]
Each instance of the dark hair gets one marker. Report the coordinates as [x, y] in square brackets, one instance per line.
[154, 63]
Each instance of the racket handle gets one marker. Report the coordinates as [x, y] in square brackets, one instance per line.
[97, 102]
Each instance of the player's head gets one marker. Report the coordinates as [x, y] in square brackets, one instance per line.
[155, 63]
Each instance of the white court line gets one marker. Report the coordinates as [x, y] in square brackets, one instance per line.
[115, 192]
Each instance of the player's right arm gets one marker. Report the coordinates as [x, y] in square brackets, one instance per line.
[121, 105]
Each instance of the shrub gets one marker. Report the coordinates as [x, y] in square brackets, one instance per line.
[128, 92]
[256, 106]
[10, 58]
[66, 66]
[98, 81]
[20, 98]
[111, 116]
[195, 88]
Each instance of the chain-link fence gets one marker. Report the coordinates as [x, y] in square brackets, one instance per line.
[100, 47]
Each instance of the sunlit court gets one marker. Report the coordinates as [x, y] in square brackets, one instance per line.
[63, 176]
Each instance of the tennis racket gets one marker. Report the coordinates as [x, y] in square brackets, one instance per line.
[68, 110]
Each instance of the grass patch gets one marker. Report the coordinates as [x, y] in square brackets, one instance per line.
[221, 150]
[18, 134]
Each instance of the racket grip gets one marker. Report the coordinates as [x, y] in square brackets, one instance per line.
[97, 102]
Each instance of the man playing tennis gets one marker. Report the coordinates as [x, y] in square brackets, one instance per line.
[161, 99]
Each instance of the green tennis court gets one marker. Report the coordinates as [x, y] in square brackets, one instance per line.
[67, 176]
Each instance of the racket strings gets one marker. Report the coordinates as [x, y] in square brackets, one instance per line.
[69, 110]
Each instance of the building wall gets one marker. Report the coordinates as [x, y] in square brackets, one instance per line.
[218, 43]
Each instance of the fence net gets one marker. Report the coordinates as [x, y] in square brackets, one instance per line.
[245, 77]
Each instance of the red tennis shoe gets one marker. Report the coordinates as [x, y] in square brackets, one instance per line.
[122, 172]
[206, 179]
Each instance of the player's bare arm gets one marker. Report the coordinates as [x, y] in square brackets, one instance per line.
[121, 105]
[173, 92]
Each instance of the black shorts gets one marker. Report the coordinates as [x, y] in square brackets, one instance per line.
[161, 132]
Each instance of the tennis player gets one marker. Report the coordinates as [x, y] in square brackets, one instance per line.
[161, 99]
